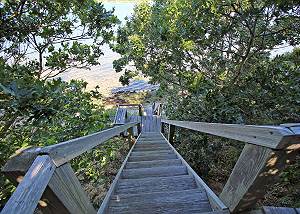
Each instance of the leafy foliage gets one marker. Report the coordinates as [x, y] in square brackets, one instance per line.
[38, 41]
[61, 34]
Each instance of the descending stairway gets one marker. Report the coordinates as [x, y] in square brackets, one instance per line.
[155, 179]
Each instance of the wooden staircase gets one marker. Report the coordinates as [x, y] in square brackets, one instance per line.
[155, 180]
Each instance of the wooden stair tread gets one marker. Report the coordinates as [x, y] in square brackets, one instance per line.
[157, 184]
[146, 153]
[152, 157]
[152, 148]
[154, 163]
[151, 145]
[155, 179]
[154, 172]
[188, 201]
[152, 142]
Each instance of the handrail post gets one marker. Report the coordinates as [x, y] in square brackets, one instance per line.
[162, 128]
[256, 167]
[130, 137]
[171, 133]
[63, 194]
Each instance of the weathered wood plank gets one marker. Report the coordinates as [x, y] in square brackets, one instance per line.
[171, 133]
[144, 153]
[152, 148]
[154, 172]
[275, 137]
[120, 117]
[214, 200]
[104, 206]
[256, 167]
[154, 163]
[279, 210]
[130, 138]
[188, 201]
[28, 193]
[64, 152]
[68, 190]
[157, 184]
[152, 157]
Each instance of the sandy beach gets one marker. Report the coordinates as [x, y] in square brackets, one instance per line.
[102, 75]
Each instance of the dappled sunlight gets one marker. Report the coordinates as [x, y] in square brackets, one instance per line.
[36, 170]
[20, 178]
[43, 203]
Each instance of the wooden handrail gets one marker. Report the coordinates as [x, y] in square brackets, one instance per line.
[64, 152]
[275, 137]
[51, 169]
[265, 154]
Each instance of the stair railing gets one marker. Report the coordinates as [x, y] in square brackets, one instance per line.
[267, 151]
[49, 180]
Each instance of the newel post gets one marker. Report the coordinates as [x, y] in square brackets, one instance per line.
[257, 167]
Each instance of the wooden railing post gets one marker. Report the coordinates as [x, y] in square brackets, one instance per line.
[28, 193]
[63, 195]
[68, 190]
[162, 128]
[256, 167]
[171, 133]
[130, 137]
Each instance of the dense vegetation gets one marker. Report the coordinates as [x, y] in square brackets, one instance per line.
[38, 41]
[213, 61]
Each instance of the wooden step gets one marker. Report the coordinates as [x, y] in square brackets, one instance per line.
[152, 157]
[152, 138]
[151, 145]
[153, 172]
[154, 163]
[152, 148]
[149, 153]
[151, 141]
[157, 184]
[188, 201]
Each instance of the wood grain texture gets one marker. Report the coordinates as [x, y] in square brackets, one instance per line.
[279, 210]
[214, 200]
[275, 137]
[28, 193]
[149, 183]
[120, 117]
[64, 152]
[154, 163]
[158, 184]
[152, 157]
[104, 205]
[189, 201]
[152, 148]
[144, 153]
[68, 190]
[171, 133]
[256, 167]
[153, 172]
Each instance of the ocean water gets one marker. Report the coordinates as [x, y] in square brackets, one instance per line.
[104, 75]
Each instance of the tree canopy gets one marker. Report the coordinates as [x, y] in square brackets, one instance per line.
[215, 50]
